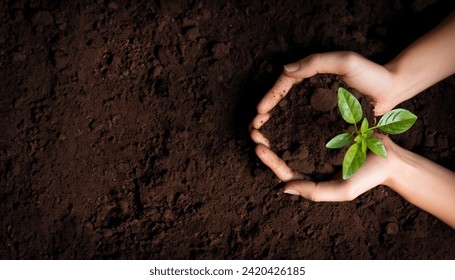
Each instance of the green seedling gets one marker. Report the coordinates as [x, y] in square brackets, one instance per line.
[394, 122]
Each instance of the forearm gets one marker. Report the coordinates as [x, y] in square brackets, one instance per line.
[425, 184]
[425, 62]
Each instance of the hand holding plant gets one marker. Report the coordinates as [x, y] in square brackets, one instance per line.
[435, 184]
[394, 122]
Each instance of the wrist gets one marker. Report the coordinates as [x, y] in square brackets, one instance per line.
[405, 82]
[401, 166]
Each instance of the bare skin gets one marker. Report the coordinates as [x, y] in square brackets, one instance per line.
[423, 183]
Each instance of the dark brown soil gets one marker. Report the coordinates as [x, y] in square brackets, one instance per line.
[124, 130]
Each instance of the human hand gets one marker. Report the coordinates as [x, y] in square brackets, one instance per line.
[368, 77]
[375, 171]
[371, 79]
[418, 180]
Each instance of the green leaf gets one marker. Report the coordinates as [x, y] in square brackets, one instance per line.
[358, 139]
[397, 121]
[364, 145]
[353, 160]
[376, 146]
[340, 141]
[349, 106]
[368, 133]
[364, 126]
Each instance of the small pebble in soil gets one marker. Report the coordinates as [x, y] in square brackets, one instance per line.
[19, 57]
[336, 158]
[304, 166]
[327, 168]
[192, 33]
[323, 99]
[220, 50]
[42, 18]
[113, 5]
[283, 103]
[391, 228]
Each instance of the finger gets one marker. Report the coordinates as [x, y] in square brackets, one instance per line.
[276, 93]
[380, 109]
[354, 69]
[340, 63]
[259, 121]
[374, 172]
[259, 138]
[334, 190]
[276, 164]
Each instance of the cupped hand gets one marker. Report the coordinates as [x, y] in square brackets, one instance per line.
[374, 172]
[372, 79]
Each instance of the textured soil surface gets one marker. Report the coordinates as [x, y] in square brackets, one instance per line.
[123, 130]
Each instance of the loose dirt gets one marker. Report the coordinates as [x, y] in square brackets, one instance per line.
[123, 131]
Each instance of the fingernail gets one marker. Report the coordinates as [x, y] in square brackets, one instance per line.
[292, 67]
[292, 192]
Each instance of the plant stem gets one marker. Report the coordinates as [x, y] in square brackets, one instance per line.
[356, 130]
[372, 128]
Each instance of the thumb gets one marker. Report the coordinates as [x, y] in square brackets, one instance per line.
[334, 190]
[380, 108]
[375, 171]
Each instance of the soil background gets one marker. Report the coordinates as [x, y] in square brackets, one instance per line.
[123, 130]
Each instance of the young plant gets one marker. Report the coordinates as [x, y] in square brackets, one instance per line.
[394, 122]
